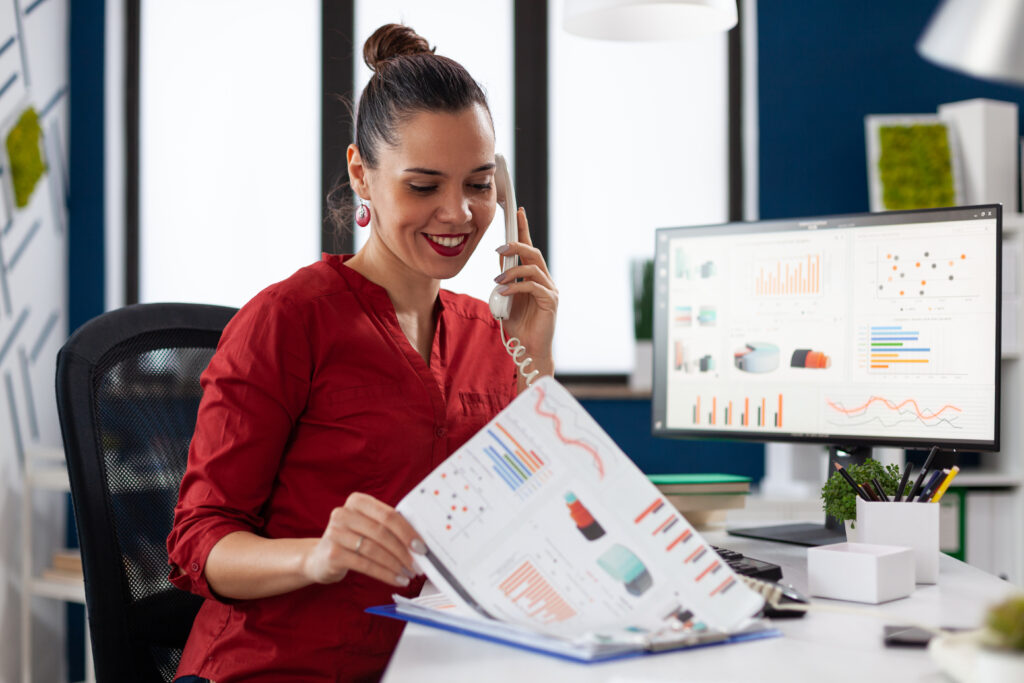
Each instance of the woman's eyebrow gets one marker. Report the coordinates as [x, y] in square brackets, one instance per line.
[431, 171]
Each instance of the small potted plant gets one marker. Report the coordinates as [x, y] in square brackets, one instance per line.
[642, 275]
[839, 499]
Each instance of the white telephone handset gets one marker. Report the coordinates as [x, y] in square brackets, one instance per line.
[501, 306]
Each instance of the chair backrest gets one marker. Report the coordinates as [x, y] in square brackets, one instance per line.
[127, 396]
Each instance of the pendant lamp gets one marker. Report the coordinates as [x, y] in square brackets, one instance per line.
[642, 20]
[981, 38]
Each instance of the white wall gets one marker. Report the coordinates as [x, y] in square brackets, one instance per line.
[33, 312]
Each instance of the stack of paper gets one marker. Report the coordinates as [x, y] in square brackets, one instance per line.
[702, 498]
[541, 523]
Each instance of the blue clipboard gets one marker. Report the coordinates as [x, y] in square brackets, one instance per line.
[560, 649]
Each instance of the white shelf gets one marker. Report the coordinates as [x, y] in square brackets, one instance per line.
[1013, 221]
[50, 478]
[60, 589]
[982, 479]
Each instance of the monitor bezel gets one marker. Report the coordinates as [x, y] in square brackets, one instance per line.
[851, 220]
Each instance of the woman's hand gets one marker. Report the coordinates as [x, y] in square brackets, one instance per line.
[532, 319]
[366, 536]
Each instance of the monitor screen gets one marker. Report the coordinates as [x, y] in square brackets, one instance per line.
[864, 329]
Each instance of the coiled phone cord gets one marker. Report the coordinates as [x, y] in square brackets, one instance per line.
[516, 349]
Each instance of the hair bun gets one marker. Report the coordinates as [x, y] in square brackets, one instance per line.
[390, 41]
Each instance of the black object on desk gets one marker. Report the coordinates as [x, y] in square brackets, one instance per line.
[749, 566]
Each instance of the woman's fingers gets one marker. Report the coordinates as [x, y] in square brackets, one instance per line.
[390, 518]
[526, 272]
[348, 553]
[546, 298]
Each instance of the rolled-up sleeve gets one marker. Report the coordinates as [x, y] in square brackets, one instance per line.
[254, 390]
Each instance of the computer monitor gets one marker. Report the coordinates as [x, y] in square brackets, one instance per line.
[854, 331]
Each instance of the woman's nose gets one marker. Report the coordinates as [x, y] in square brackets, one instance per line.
[455, 208]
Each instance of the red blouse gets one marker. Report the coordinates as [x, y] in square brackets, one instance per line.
[314, 393]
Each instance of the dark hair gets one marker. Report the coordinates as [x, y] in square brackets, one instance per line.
[408, 78]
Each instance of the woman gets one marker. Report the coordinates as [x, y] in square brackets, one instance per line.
[334, 392]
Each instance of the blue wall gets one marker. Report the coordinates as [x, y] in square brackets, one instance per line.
[822, 66]
[628, 422]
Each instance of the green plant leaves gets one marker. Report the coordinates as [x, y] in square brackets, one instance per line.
[839, 499]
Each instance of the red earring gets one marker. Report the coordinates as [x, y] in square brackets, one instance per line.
[363, 215]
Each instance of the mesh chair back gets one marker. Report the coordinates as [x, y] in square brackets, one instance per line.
[127, 396]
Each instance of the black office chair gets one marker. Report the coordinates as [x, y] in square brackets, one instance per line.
[127, 395]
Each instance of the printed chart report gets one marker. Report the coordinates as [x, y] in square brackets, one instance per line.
[540, 520]
[880, 329]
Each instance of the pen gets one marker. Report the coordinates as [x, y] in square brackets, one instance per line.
[903, 482]
[924, 471]
[880, 490]
[941, 490]
[850, 481]
[933, 481]
[870, 491]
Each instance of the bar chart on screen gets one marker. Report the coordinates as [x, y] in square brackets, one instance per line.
[791, 276]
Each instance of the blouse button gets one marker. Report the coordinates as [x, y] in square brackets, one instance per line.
[194, 566]
[440, 432]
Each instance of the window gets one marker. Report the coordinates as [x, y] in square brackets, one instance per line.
[638, 140]
[229, 186]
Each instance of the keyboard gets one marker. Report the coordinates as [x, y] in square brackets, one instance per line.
[749, 566]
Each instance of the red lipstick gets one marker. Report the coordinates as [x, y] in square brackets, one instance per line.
[445, 250]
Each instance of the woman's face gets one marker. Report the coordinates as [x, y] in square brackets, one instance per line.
[432, 195]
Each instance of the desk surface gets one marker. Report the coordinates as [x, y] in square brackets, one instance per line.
[818, 647]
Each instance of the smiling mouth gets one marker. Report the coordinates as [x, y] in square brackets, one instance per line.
[449, 241]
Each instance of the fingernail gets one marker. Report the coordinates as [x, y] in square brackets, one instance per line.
[408, 574]
[523, 209]
[503, 249]
[499, 277]
[402, 580]
[418, 547]
[501, 289]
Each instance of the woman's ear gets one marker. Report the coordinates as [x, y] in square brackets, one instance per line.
[357, 175]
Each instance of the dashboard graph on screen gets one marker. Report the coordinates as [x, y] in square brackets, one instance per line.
[868, 327]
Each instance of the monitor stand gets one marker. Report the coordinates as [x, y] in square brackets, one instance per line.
[832, 531]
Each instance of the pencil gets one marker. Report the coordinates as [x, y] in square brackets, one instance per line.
[881, 491]
[850, 481]
[924, 471]
[941, 490]
[933, 481]
[903, 482]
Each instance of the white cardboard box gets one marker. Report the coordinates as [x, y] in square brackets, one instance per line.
[860, 572]
[985, 136]
[911, 525]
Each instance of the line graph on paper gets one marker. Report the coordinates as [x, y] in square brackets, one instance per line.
[576, 435]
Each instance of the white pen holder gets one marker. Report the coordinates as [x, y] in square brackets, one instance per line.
[912, 525]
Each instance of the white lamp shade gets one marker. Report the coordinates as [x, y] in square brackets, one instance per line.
[982, 38]
[648, 19]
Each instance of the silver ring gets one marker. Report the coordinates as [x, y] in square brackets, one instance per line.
[359, 544]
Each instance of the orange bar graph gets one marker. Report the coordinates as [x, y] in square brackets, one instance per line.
[714, 409]
[780, 411]
[746, 412]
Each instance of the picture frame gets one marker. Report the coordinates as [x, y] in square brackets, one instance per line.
[913, 162]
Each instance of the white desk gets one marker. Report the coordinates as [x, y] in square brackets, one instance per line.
[818, 647]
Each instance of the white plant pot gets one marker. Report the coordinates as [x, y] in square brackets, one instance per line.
[643, 371]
